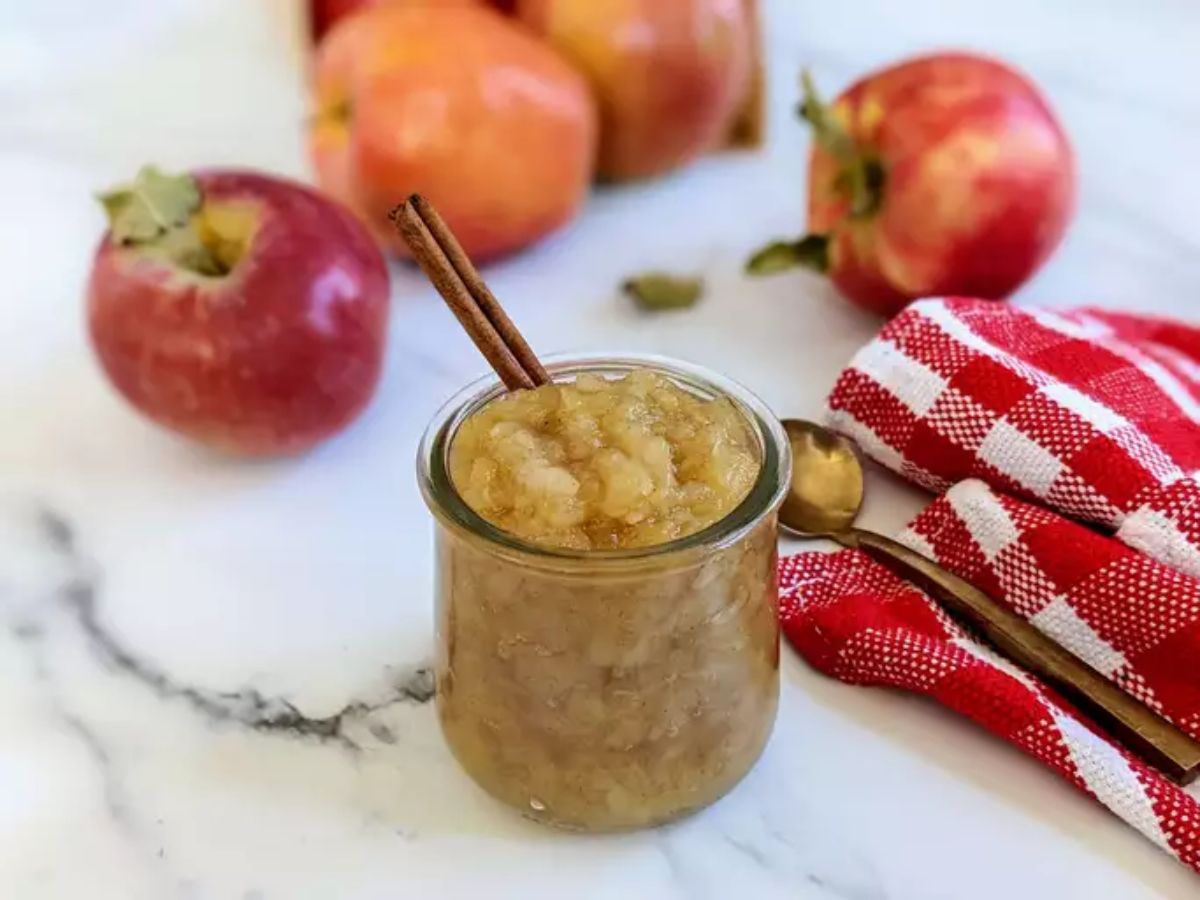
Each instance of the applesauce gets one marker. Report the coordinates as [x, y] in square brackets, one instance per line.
[604, 464]
[607, 634]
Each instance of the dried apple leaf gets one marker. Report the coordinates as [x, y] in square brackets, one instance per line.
[654, 291]
[812, 252]
[151, 206]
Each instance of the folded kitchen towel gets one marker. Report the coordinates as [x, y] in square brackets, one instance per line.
[1136, 620]
[1094, 414]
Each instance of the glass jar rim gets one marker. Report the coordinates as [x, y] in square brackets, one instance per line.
[765, 496]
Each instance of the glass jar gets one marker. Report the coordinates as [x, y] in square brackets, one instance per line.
[614, 689]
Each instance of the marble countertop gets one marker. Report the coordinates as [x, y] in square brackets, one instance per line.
[212, 673]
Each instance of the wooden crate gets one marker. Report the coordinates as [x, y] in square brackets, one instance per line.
[750, 128]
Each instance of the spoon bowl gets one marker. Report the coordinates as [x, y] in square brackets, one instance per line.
[826, 490]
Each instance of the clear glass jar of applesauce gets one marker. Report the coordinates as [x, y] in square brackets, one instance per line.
[596, 679]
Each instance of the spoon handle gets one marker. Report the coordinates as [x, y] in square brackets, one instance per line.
[1133, 723]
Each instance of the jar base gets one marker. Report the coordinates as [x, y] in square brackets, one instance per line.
[547, 819]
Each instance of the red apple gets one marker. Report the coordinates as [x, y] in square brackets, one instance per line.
[946, 174]
[462, 105]
[241, 310]
[670, 75]
[323, 14]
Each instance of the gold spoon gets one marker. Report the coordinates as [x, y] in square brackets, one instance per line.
[824, 499]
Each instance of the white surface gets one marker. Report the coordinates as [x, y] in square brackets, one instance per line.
[310, 580]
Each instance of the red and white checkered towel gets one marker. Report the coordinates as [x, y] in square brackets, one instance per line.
[1134, 619]
[1094, 414]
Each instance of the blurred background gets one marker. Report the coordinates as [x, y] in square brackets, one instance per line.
[90, 91]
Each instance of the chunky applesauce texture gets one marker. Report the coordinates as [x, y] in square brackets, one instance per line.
[600, 464]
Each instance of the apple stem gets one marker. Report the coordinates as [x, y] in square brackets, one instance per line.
[826, 129]
[861, 177]
[811, 252]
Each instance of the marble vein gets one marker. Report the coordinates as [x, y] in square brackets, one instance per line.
[30, 635]
[244, 706]
[847, 890]
[117, 801]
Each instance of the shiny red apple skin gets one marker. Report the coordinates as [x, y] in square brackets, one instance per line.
[979, 183]
[270, 359]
